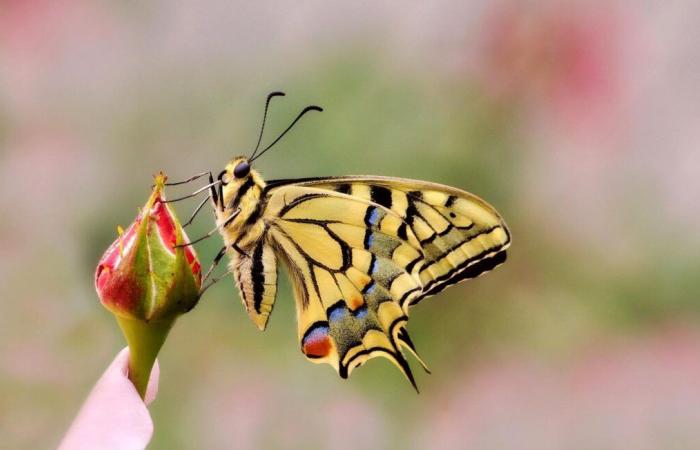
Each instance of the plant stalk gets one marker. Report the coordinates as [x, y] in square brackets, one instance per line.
[145, 340]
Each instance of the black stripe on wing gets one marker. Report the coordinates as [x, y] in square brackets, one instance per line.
[463, 272]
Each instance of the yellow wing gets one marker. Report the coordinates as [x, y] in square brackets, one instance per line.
[361, 251]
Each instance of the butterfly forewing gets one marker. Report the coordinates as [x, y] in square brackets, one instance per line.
[459, 234]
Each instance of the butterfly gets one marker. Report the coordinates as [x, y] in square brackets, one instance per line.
[360, 252]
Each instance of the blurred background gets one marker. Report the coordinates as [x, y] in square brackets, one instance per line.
[578, 120]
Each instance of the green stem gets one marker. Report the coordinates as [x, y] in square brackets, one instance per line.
[145, 340]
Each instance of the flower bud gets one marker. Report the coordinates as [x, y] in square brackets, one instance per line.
[146, 279]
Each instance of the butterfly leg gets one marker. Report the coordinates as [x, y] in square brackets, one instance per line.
[196, 211]
[190, 179]
[216, 196]
[230, 218]
[220, 194]
[212, 193]
[240, 250]
[194, 194]
[211, 283]
[214, 230]
[219, 256]
[217, 260]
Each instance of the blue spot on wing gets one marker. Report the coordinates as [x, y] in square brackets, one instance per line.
[315, 334]
[369, 289]
[361, 313]
[374, 216]
[337, 311]
[374, 266]
[370, 240]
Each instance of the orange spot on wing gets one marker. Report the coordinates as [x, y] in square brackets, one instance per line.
[356, 302]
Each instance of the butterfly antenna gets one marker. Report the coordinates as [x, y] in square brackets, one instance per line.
[301, 114]
[270, 96]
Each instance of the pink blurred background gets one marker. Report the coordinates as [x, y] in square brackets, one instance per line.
[578, 120]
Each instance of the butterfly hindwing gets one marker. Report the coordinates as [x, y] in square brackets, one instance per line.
[348, 268]
[361, 250]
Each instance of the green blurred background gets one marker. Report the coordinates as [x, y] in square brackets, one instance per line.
[578, 120]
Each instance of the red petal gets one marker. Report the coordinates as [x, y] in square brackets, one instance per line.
[121, 292]
[102, 276]
[166, 224]
[113, 255]
[166, 231]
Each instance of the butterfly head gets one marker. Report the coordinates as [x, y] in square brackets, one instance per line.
[238, 172]
[240, 183]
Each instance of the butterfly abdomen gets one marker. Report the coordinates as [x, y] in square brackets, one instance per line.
[256, 278]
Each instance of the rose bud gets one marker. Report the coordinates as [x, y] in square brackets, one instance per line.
[146, 278]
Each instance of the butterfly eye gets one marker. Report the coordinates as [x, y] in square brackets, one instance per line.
[241, 170]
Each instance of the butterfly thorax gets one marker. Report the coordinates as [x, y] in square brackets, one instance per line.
[242, 197]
